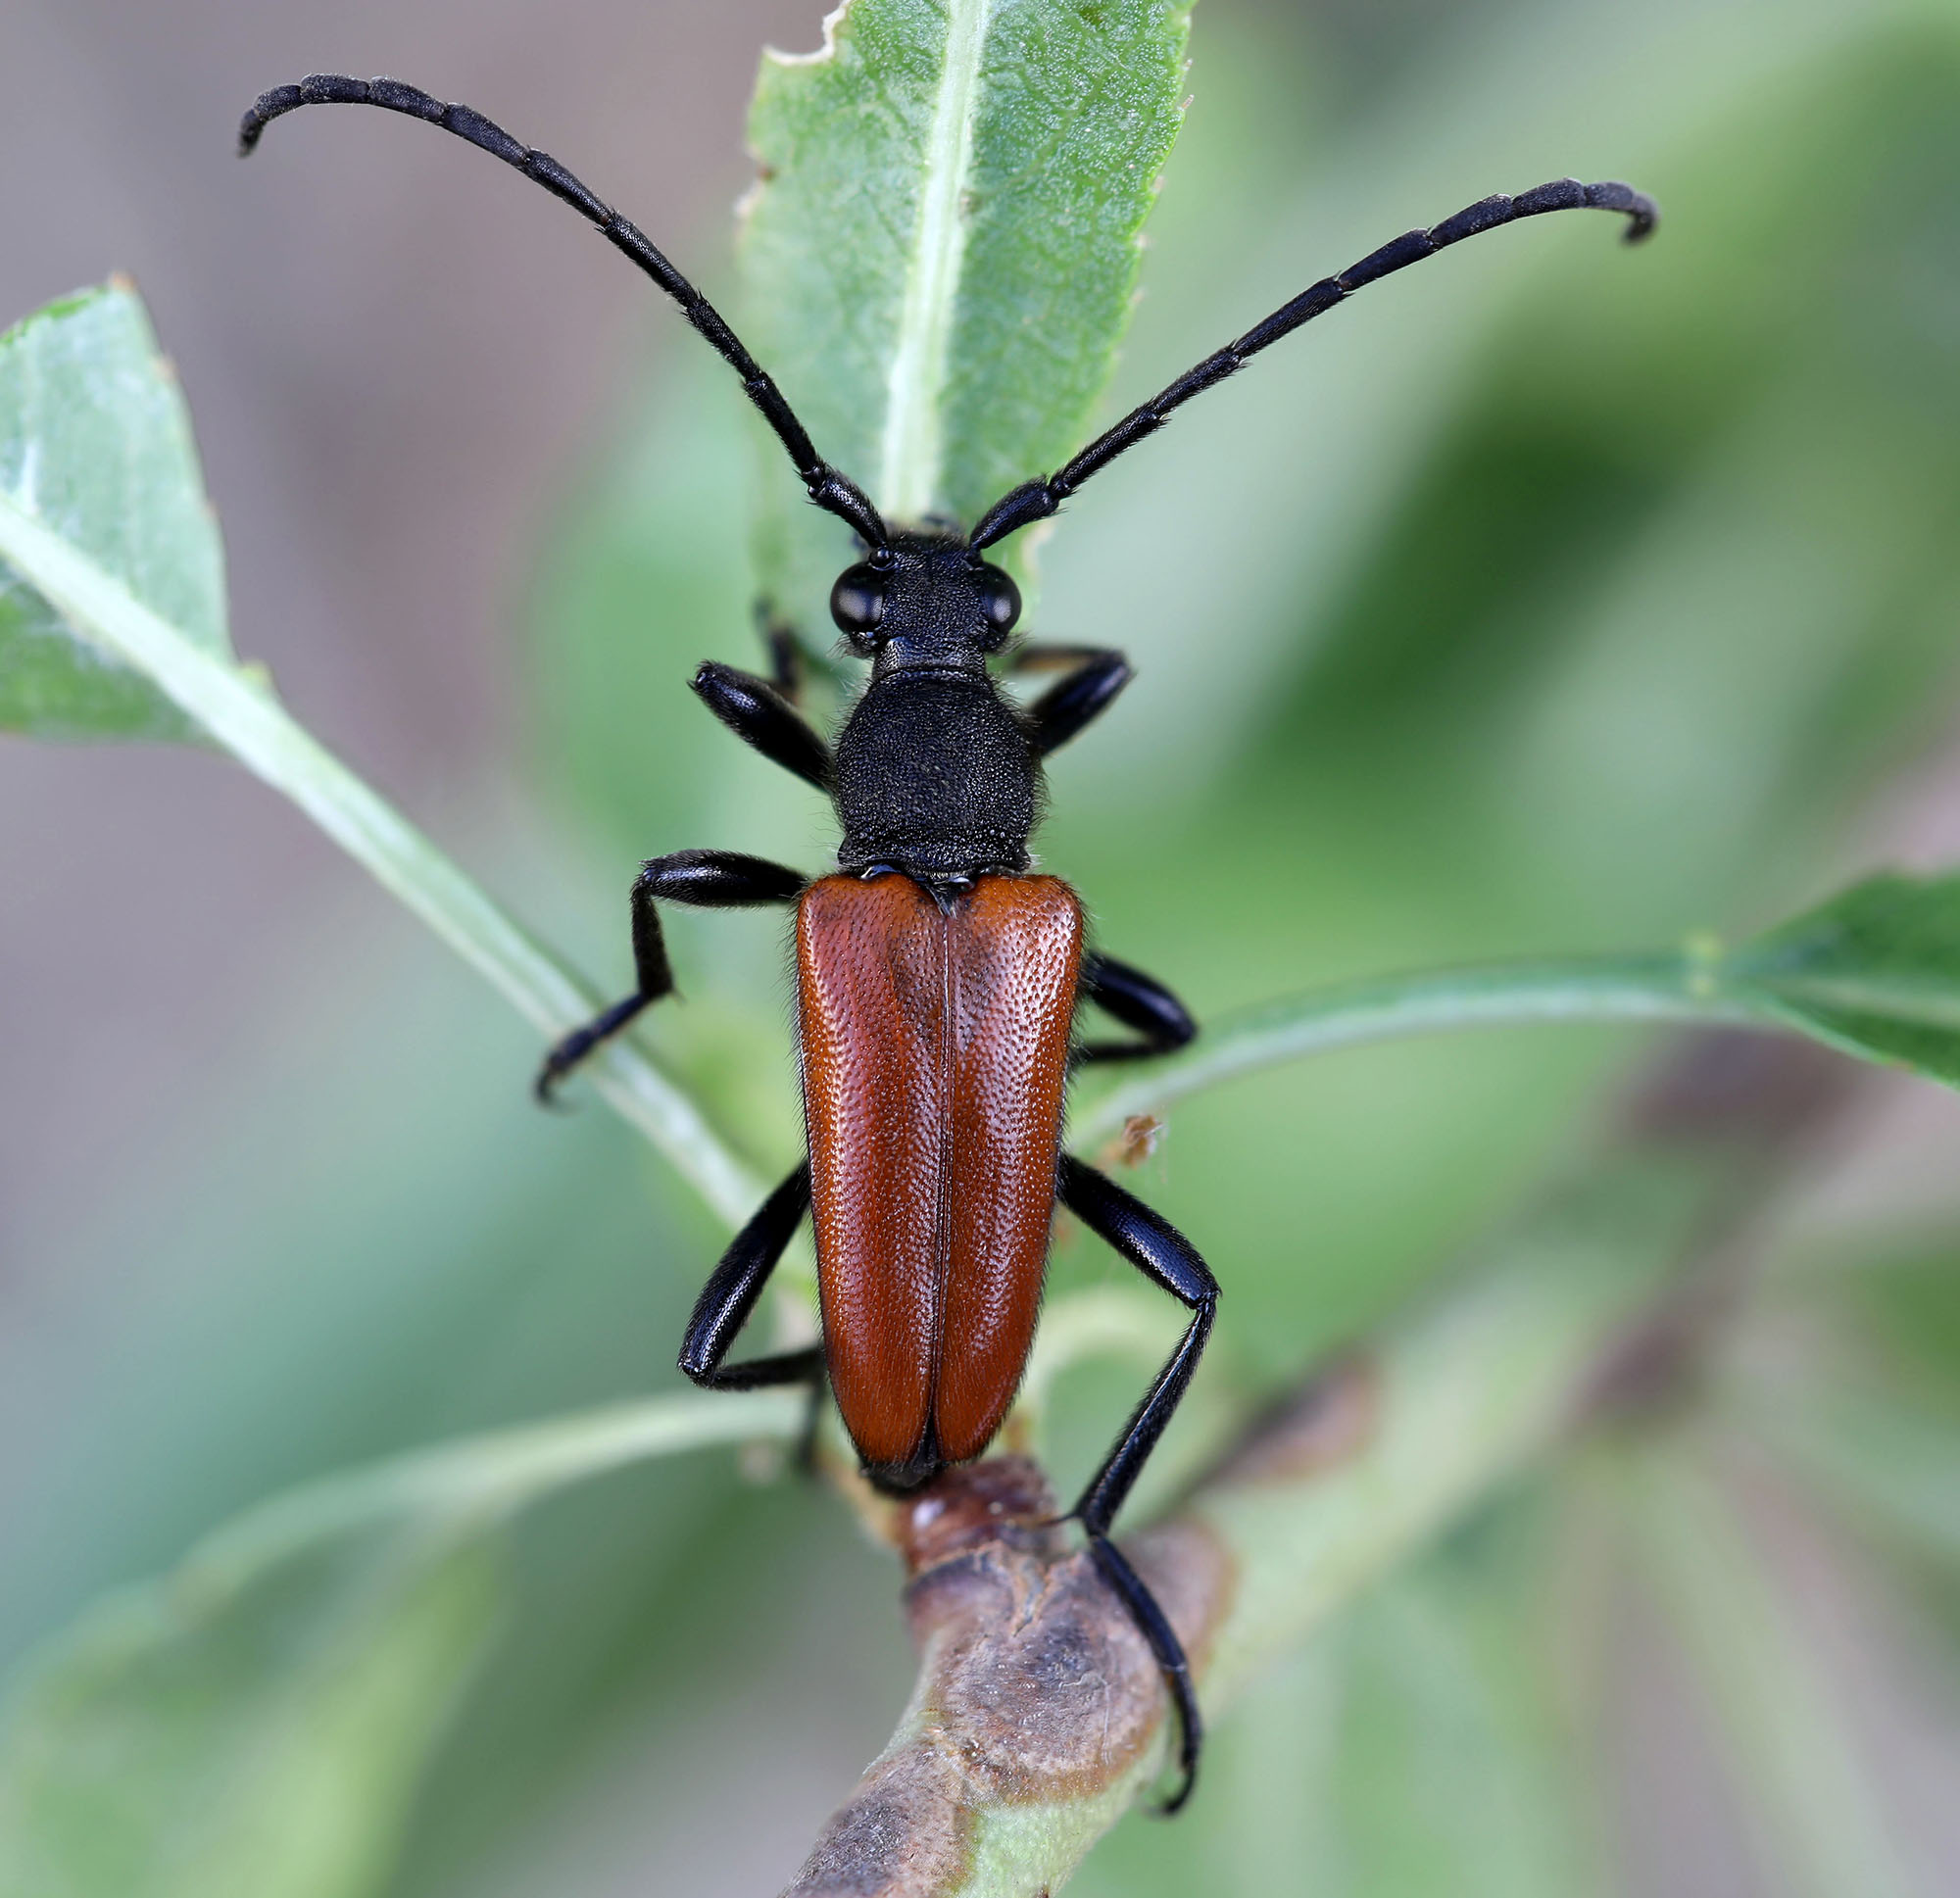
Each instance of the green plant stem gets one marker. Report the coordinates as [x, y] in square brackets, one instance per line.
[1667, 987]
[244, 718]
[465, 1485]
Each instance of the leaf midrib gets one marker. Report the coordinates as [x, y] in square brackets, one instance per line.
[912, 443]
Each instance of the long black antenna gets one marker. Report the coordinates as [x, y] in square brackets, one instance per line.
[827, 487]
[1042, 497]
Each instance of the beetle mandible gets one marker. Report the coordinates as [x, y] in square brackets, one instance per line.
[937, 975]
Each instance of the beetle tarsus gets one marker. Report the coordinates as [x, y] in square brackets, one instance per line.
[580, 1043]
[1127, 1586]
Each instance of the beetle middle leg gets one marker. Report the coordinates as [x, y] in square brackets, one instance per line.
[1165, 1257]
[704, 879]
[730, 1294]
[1137, 1000]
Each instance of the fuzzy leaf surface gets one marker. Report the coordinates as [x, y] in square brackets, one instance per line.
[95, 443]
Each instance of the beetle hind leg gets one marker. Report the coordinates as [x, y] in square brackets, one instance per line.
[1166, 1258]
[702, 878]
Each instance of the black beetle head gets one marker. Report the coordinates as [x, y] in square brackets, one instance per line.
[924, 601]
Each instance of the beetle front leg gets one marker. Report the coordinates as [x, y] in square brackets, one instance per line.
[762, 711]
[1165, 1257]
[1138, 1001]
[1094, 674]
[704, 879]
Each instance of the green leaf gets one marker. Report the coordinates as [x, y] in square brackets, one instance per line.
[94, 571]
[254, 1725]
[95, 444]
[941, 252]
[191, 1741]
[1876, 972]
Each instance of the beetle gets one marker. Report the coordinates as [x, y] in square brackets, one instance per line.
[938, 973]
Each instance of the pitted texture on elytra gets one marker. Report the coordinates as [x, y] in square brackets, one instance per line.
[935, 1051]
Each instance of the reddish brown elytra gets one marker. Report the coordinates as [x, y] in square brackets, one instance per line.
[935, 1054]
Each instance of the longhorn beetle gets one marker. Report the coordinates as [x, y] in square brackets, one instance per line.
[938, 976]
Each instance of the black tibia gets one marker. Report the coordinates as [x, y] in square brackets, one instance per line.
[757, 712]
[1137, 1000]
[1165, 1257]
[702, 879]
[823, 483]
[1036, 500]
[1095, 676]
[730, 1294]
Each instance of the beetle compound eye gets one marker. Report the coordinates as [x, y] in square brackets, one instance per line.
[858, 601]
[1000, 600]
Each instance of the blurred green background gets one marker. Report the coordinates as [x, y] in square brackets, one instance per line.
[1553, 598]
